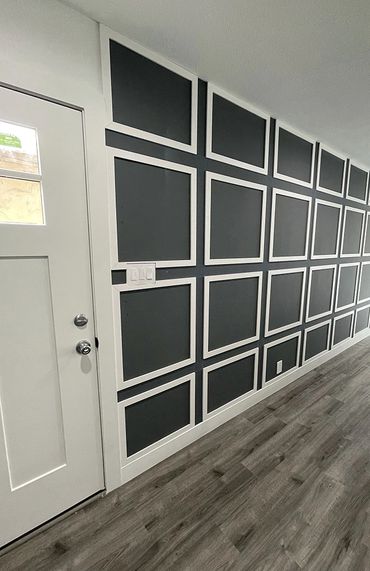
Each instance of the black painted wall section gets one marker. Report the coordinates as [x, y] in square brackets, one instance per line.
[225, 323]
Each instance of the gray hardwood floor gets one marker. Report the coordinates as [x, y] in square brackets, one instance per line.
[284, 486]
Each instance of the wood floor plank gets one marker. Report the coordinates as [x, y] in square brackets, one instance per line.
[285, 486]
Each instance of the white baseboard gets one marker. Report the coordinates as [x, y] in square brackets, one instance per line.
[150, 459]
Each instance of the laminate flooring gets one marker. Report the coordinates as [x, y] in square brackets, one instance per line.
[284, 486]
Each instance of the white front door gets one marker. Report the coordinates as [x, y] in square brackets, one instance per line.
[50, 445]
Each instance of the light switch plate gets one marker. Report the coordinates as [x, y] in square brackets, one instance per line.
[140, 274]
[279, 367]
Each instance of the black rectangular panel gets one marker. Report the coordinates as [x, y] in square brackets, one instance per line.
[153, 212]
[362, 319]
[155, 328]
[326, 230]
[347, 285]
[236, 217]
[291, 220]
[352, 233]
[232, 311]
[237, 133]
[151, 419]
[365, 283]
[357, 183]
[331, 172]
[230, 382]
[148, 96]
[294, 156]
[367, 237]
[285, 351]
[285, 299]
[342, 329]
[317, 341]
[321, 291]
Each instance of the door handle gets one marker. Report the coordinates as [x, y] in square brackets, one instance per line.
[83, 347]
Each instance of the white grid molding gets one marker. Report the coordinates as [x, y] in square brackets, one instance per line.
[113, 154]
[339, 156]
[220, 365]
[280, 125]
[327, 324]
[214, 90]
[359, 286]
[362, 212]
[270, 276]
[208, 280]
[335, 254]
[119, 332]
[122, 405]
[211, 176]
[330, 310]
[105, 36]
[341, 266]
[276, 192]
[335, 321]
[349, 196]
[267, 346]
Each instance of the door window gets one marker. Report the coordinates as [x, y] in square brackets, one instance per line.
[21, 200]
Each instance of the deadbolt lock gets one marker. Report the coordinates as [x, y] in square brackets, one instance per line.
[80, 320]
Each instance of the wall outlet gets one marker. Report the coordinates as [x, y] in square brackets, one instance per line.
[279, 367]
[140, 274]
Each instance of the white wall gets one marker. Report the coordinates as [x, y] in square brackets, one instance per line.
[51, 50]
[50, 39]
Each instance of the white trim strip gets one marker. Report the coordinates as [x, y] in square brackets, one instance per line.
[112, 154]
[280, 125]
[210, 176]
[220, 365]
[105, 36]
[207, 352]
[214, 90]
[117, 289]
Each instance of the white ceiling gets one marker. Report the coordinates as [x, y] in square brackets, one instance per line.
[306, 62]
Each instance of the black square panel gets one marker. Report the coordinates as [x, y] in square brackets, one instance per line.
[317, 341]
[357, 186]
[236, 219]
[294, 156]
[347, 286]
[331, 172]
[362, 319]
[230, 381]
[322, 284]
[233, 311]
[342, 328]
[155, 328]
[153, 418]
[285, 300]
[367, 236]
[153, 207]
[149, 96]
[364, 290]
[352, 232]
[285, 351]
[326, 230]
[290, 226]
[237, 133]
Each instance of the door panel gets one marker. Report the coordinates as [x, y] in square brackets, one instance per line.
[50, 446]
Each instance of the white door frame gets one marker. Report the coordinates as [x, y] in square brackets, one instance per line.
[60, 89]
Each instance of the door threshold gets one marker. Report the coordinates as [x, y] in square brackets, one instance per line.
[49, 523]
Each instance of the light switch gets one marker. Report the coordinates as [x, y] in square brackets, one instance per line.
[279, 367]
[140, 274]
